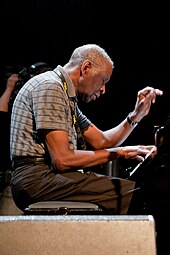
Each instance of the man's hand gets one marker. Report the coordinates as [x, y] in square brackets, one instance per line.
[145, 98]
[139, 152]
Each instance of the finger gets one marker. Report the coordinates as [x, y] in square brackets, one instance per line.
[145, 91]
[139, 158]
[158, 92]
[148, 89]
[152, 96]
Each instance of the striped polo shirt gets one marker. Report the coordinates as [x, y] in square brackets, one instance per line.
[42, 103]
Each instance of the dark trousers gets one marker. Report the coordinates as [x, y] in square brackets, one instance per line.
[33, 180]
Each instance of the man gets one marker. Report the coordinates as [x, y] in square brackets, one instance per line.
[49, 132]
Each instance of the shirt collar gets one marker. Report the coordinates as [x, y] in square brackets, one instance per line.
[63, 75]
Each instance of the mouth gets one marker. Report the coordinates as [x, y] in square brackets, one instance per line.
[94, 96]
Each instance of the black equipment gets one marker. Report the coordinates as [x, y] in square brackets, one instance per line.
[27, 73]
[162, 142]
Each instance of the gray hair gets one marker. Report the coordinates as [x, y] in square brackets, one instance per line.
[91, 52]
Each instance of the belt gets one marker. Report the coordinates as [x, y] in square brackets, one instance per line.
[24, 160]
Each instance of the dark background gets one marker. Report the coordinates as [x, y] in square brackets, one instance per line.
[136, 36]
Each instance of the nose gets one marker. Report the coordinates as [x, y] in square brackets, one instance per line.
[102, 90]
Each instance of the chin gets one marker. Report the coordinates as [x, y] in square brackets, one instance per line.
[84, 98]
[88, 99]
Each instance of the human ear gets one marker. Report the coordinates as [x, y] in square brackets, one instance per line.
[85, 67]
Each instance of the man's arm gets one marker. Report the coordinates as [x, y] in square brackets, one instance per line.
[5, 98]
[64, 158]
[117, 135]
